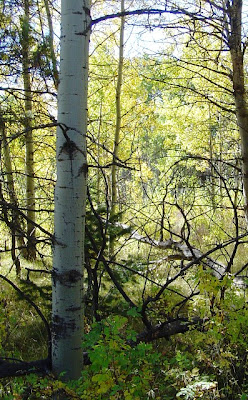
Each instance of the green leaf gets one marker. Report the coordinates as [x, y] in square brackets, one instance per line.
[133, 312]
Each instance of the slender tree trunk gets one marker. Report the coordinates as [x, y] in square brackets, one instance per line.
[98, 157]
[211, 157]
[240, 96]
[118, 116]
[30, 186]
[16, 225]
[51, 45]
[117, 125]
[70, 191]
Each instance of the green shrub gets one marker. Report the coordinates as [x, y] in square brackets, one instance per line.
[117, 370]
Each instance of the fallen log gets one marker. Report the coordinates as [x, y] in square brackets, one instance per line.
[189, 253]
[19, 368]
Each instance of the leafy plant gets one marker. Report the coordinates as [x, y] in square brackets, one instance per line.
[117, 370]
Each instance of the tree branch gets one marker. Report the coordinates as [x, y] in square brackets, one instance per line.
[8, 369]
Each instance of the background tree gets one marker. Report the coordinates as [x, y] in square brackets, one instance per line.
[118, 117]
[14, 102]
[25, 41]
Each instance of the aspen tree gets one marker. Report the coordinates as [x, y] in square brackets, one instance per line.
[70, 191]
[116, 146]
[29, 162]
[51, 45]
[237, 49]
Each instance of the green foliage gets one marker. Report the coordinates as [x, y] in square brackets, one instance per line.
[117, 370]
[197, 365]
[22, 333]
[96, 229]
[167, 126]
[33, 387]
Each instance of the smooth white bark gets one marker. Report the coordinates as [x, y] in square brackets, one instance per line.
[70, 192]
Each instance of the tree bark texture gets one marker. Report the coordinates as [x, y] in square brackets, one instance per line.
[70, 191]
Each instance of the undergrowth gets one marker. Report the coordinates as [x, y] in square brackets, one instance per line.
[209, 363]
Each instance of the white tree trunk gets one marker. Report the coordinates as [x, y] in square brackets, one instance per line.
[70, 192]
